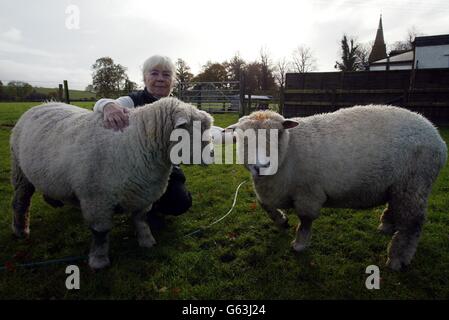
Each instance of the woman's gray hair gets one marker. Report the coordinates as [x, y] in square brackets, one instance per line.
[159, 61]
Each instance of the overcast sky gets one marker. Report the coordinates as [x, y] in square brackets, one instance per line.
[40, 41]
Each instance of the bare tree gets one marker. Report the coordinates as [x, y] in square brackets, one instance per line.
[280, 69]
[303, 59]
[412, 33]
[267, 79]
[406, 44]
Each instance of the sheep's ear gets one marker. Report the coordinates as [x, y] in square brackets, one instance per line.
[180, 122]
[288, 124]
[232, 127]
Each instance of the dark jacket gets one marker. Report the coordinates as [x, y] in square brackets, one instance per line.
[142, 97]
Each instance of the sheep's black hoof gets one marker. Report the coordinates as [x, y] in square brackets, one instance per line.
[97, 263]
[397, 265]
[146, 242]
[299, 247]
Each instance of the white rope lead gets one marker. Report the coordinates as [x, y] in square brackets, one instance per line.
[227, 213]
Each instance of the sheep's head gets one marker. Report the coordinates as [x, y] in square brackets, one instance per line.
[260, 138]
[191, 134]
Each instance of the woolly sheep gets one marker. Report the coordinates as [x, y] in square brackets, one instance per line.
[66, 153]
[357, 157]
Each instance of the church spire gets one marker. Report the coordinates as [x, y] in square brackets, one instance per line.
[379, 50]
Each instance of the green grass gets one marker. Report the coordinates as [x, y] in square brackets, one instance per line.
[242, 257]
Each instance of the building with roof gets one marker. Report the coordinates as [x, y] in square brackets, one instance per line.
[399, 61]
[428, 52]
[431, 52]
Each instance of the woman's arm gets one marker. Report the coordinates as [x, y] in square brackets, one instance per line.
[125, 101]
[115, 112]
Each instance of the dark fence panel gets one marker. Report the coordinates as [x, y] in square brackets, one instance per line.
[425, 91]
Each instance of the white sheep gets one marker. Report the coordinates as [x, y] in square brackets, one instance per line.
[66, 153]
[357, 157]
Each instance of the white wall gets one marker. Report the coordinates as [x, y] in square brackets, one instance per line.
[377, 68]
[432, 57]
[392, 67]
[403, 67]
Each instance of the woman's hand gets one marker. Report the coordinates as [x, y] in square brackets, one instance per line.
[115, 116]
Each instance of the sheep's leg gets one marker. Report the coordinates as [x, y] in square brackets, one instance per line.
[144, 235]
[278, 217]
[410, 209]
[307, 211]
[303, 233]
[403, 245]
[99, 250]
[23, 191]
[99, 221]
[387, 222]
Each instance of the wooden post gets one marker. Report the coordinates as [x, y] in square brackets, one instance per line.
[281, 100]
[66, 92]
[60, 93]
[200, 96]
[242, 94]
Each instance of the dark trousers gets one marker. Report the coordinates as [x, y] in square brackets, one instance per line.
[176, 200]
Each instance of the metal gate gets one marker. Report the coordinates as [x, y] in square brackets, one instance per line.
[213, 97]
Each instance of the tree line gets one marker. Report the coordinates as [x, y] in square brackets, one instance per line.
[262, 76]
[23, 91]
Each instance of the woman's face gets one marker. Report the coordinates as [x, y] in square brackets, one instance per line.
[158, 82]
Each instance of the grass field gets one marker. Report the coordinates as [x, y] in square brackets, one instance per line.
[242, 257]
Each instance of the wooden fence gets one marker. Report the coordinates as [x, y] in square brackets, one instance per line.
[425, 91]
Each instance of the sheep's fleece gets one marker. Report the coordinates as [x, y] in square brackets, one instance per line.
[66, 153]
[357, 157]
